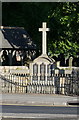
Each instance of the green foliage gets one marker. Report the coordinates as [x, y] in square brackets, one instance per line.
[64, 24]
[62, 19]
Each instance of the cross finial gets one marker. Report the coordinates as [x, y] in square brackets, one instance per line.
[44, 29]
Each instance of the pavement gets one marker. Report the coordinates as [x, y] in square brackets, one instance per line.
[40, 119]
[36, 99]
[40, 116]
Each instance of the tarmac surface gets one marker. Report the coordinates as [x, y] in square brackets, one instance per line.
[40, 109]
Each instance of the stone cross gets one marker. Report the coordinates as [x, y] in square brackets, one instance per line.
[44, 45]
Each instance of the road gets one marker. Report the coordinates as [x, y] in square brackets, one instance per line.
[39, 109]
[17, 112]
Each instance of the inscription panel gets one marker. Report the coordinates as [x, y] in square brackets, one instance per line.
[42, 71]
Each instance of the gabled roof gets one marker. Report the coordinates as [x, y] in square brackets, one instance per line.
[15, 38]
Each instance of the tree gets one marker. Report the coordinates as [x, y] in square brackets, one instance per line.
[62, 19]
[64, 24]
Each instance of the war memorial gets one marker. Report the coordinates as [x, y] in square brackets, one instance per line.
[41, 74]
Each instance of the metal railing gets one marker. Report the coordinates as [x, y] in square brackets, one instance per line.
[67, 84]
[14, 83]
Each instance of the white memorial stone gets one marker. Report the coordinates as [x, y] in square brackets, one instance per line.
[70, 61]
[43, 61]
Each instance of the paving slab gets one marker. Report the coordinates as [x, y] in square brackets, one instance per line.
[36, 99]
[32, 116]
